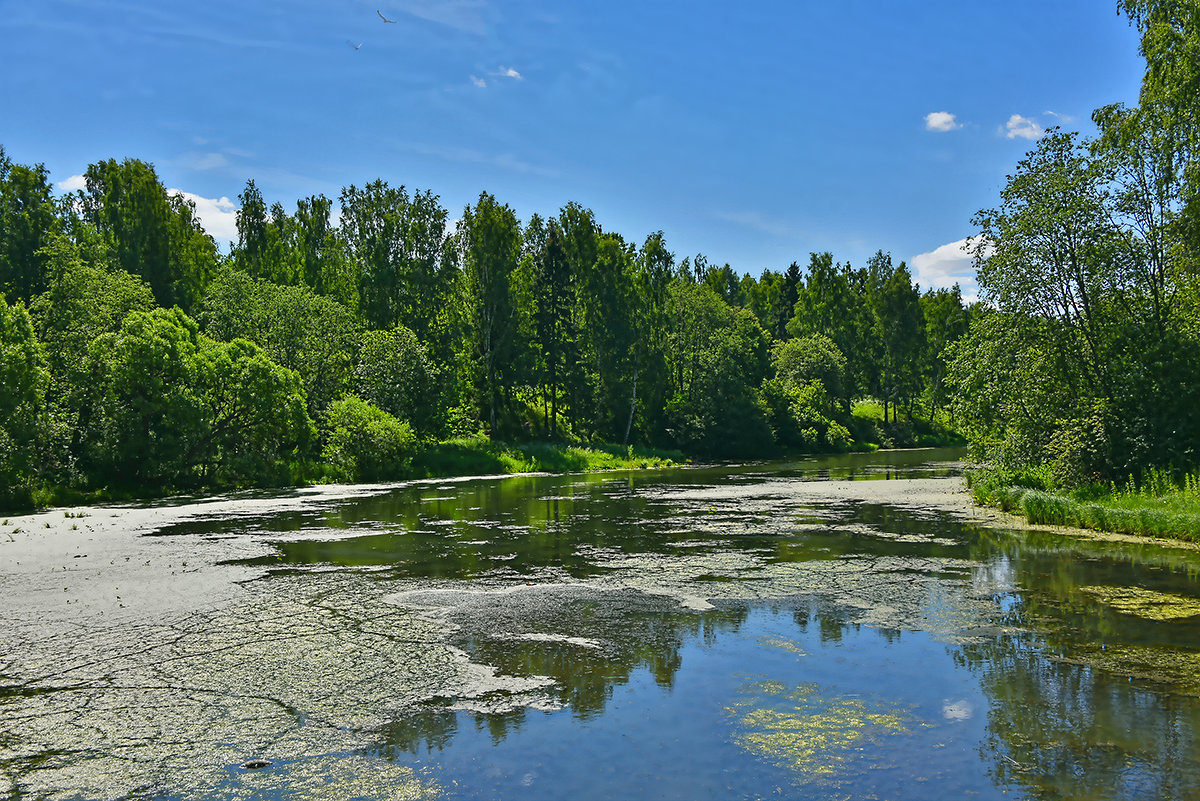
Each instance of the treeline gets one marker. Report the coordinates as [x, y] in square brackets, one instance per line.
[1085, 369]
[135, 354]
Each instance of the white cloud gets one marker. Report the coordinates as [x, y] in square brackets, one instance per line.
[1023, 127]
[480, 82]
[72, 184]
[509, 72]
[946, 266]
[217, 215]
[941, 121]
[958, 710]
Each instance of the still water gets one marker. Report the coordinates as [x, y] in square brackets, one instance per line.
[846, 627]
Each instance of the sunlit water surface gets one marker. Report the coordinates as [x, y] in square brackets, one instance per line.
[747, 632]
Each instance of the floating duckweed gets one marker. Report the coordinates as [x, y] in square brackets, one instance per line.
[787, 645]
[1145, 603]
[340, 776]
[813, 735]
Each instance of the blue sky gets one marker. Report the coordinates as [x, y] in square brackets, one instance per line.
[753, 133]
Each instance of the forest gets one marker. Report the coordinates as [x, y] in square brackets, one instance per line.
[338, 345]
[343, 340]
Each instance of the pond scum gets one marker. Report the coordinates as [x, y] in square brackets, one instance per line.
[813, 735]
[1145, 603]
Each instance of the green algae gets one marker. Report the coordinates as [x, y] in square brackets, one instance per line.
[347, 778]
[818, 737]
[1144, 603]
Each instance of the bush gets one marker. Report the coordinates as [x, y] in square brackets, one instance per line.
[365, 443]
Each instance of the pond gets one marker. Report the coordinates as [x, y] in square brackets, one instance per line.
[826, 628]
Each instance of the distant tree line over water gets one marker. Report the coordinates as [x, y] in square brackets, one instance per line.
[134, 354]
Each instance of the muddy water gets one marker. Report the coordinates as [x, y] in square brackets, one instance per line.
[848, 627]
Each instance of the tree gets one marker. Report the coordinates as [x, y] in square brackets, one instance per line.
[489, 245]
[396, 374]
[152, 233]
[314, 335]
[399, 244]
[900, 327]
[946, 320]
[1049, 251]
[365, 443]
[23, 382]
[811, 358]
[718, 358]
[1170, 95]
[833, 301]
[553, 292]
[83, 301]
[28, 219]
[175, 408]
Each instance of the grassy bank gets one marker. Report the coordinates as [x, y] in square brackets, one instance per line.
[464, 456]
[479, 455]
[1158, 507]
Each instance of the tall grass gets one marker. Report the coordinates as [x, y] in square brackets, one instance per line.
[1159, 505]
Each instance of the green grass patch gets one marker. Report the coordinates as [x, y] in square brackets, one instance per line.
[479, 455]
[1170, 511]
[871, 433]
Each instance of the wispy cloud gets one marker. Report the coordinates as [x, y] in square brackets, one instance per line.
[762, 223]
[941, 121]
[945, 266]
[506, 161]
[508, 72]
[1065, 119]
[217, 215]
[203, 161]
[1023, 127]
[464, 15]
[480, 82]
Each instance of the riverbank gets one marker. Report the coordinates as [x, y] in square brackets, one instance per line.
[453, 458]
[1171, 513]
[459, 457]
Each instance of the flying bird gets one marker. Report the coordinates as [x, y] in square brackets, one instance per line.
[352, 44]
[385, 19]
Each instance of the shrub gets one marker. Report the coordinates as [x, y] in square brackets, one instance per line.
[365, 443]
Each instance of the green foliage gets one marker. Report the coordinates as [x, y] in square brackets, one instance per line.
[803, 416]
[365, 443]
[23, 383]
[174, 408]
[301, 249]
[395, 374]
[403, 255]
[151, 233]
[900, 326]
[1161, 507]
[82, 301]
[300, 330]
[489, 242]
[27, 222]
[810, 358]
[559, 328]
[719, 358]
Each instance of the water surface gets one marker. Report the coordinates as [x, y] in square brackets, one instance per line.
[824, 628]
